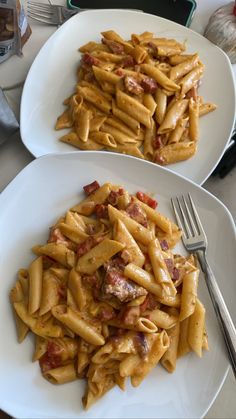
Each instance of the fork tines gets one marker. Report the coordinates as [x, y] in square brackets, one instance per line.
[187, 216]
[40, 12]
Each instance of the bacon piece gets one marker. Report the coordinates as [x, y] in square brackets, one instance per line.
[141, 344]
[157, 142]
[175, 274]
[132, 86]
[149, 303]
[170, 265]
[125, 255]
[114, 46]
[128, 61]
[130, 315]
[52, 358]
[149, 85]
[115, 263]
[88, 244]
[164, 245]
[114, 195]
[135, 211]
[119, 72]
[106, 314]
[146, 199]
[91, 187]
[101, 211]
[115, 284]
[90, 59]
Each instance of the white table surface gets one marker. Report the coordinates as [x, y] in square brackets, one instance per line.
[14, 156]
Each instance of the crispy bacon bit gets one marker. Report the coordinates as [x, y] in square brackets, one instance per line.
[116, 285]
[128, 61]
[149, 303]
[106, 314]
[149, 85]
[101, 211]
[132, 86]
[92, 280]
[56, 236]
[90, 59]
[157, 142]
[130, 315]
[146, 199]
[141, 344]
[125, 255]
[114, 195]
[164, 245]
[170, 265]
[88, 244]
[52, 358]
[175, 274]
[114, 46]
[115, 263]
[91, 187]
[119, 72]
[135, 211]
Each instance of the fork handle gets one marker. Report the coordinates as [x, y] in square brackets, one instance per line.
[222, 313]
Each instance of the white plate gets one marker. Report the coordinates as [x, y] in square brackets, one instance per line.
[52, 78]
[29, 205]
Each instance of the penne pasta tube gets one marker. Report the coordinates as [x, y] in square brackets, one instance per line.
[139, 232]
[183, 345]
[175, 152]
[172, 116]
[35, 284]
[17, 295]
[170, 356]
[107, 76]
[133, 108]
[149, 137]
[96, 122]
[73, 139]
[193, 120]
[119, 136]
[184, 67]
[162, 319]
[95, 98]
[159, 219]
[159, 267]
[83, 125]
[50, 292]
[74, 233]
[114, 122]
[124, 117]
[73, 320]
[161, 101]
[196, 328]
[64, 120]
[87, 205]
[189, 294]
[205, 108]
[61, 375]
[149, 102]
[177, 59]
[143, 278]
[142, 325]
[98, 255]
[128, 365]
[77, 290]
[130, 149]
[177, 133]
[188, 81]
[159, 347]
[59, 252]
[168, 50]
[122, 235]
[103, 138]
[160, 77]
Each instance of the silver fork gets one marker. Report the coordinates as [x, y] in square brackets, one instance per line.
[53, 14]
[195, 241]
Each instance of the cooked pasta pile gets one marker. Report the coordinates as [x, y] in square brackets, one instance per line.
[138, 97]
[106, 298]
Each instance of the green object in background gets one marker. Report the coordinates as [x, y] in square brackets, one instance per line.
[179, 11]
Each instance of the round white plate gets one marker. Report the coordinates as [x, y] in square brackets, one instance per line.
[31, 203]
[52, 78]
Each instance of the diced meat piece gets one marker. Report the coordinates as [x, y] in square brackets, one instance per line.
[52, 358]
[92, 280]
[175, 274]
[91, 187]
[56, 236]
[157, 142]
[120, 72]
[149, 85]
[101, 211]
[125, 255]
[170, 265]
[150, 303]
[135, 211]
[115, 263]
[128, 61]
[106, 314]
[164, 245]
[132, 86]
[114, 46]
[114, 195]
[146, 199]
[130, 315]
[159, 159]
[88, 244]
[141, 344]
[116, 285]
[90, 59]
